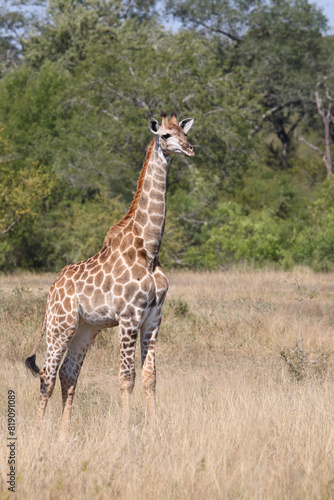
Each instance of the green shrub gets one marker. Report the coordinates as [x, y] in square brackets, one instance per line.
[237, 237]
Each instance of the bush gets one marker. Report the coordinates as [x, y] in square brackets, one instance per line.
[236, 237]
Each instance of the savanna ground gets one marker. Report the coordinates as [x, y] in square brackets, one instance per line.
[233, 421]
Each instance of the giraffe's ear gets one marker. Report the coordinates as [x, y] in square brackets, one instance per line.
[186, 124]
[154, 125]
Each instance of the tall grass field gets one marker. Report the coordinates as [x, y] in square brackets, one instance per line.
[245, 396]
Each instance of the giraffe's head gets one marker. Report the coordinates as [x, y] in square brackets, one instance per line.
[172, 136]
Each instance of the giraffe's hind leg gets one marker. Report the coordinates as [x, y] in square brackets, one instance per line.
[148, 336]
[56, 346]
[70, 369]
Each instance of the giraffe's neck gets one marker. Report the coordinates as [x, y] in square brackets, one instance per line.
[150, 213]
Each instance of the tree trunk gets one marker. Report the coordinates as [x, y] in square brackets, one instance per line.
[326, 118]
[328, 158]
[283, 137]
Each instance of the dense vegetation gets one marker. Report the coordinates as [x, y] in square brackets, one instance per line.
[78, 80]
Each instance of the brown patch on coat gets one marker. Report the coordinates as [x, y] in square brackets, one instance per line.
[143, 202]
[119, 304]
[127, 242]
[107, 267]
[115, 243]
[149, 234]
[67, 304]
[141, 217]
[156, 208]
[60, 283]
[142, 257]
[157, 220]
[129, 256]
[129, 227]
[104, 255]
[89, 290]
[61, 294]
[70, 287]
[130, 291]
[96, 269]
[107, 284]
[138, 272]
[90, 280]
[124, 278]
[99, 279]
[118, 290]
[141, 299]
[138, 243]
[157, 195]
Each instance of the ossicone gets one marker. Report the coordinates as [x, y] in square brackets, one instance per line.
[173, 118]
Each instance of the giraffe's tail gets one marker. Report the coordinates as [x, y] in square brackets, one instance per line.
[31, 360]
[31, 365]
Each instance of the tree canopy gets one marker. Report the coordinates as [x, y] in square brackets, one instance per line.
[75, 93]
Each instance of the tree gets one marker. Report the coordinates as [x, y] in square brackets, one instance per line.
[324, 104]
[74, 115]
[73, 27]
[280, 41]
[88, 126]
[11, 25]
[23, 190]
[224, 18]
[285, 46]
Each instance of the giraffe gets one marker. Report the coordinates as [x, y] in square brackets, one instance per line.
[122, 285]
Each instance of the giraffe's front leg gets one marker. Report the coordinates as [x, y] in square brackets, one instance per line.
[148, 336]
[128, 333]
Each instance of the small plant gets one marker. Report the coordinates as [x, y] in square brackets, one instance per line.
[302, 364]
[179, 307]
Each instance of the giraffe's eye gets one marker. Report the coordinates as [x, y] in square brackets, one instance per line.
[166, 136]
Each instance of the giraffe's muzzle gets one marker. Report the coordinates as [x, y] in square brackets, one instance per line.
[189, 151]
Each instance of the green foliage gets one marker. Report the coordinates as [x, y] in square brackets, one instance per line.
[74, 132]
[23, 191]
[314, 244]
[13, 24]
[280, 41]
[72, 28]
[232, 236]
[76, 229]
[284, 45]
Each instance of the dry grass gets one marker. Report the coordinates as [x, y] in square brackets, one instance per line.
[231, 422]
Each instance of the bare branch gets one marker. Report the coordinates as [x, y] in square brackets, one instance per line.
[315, 148]
[328, 96]
[4, 231]
[319, 105]
[217, 110]
[192, 221]
[329, 113]
[185, 99]
[279, 108]
[216, 30]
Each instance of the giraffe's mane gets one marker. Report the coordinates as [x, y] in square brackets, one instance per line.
[116, 228]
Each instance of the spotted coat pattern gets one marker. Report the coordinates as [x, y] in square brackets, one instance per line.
[123, 284]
